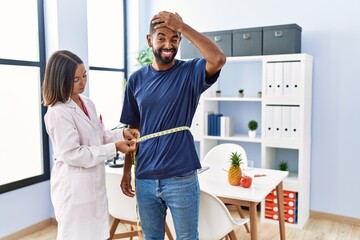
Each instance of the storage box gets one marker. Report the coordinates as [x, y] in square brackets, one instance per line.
[247, 42]
[282, 39]
[187, 49]
[223, 39]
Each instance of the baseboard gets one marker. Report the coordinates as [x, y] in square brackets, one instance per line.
[31, 229]
[335, 218]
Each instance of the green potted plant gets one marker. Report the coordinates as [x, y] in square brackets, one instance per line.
[252, 125]
[283, 166]
[241, 92]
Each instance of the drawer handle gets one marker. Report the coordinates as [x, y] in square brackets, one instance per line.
[246, 36]
[217, 38]
[278, 33]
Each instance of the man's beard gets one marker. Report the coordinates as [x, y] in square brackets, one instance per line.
[157, 55]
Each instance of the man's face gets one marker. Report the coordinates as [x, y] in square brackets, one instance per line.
[165, 44]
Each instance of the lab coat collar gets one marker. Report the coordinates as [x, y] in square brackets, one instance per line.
[71, 104]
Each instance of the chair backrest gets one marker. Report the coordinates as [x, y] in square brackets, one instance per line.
[215, 220]
[220, 155]
[120, 205]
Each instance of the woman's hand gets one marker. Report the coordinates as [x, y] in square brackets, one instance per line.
[126, 146]
[131, 133]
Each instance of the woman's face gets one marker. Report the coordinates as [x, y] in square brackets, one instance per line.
[80, 80]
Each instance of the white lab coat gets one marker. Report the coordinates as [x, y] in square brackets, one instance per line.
[77, 180]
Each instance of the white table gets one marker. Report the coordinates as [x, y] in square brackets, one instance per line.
[215, 180]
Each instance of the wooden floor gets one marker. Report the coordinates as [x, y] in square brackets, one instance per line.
[314, 229]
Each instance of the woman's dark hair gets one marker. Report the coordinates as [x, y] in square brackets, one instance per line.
[59, 77]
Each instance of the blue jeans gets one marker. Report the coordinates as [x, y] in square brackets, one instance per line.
[180, 194]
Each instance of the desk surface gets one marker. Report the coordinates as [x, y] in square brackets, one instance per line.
[215, 181]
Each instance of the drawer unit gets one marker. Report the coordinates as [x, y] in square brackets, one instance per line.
[281, 39]
[247, 42]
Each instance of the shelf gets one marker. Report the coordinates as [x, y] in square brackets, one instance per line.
[282, 101]
[236, 137]
[282, 143]
[258, 58]
[277, 57]
[291, 105]
[233, 99]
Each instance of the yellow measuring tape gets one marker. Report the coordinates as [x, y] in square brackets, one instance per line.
[161, 133]
[146, 137]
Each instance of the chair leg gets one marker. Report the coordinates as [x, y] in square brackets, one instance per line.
[232, 235]
[132, 229]
[113, 228]
[242, 215]
[168, 232]
[140, 235]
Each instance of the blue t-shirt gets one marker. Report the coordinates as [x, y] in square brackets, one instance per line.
[161, 100]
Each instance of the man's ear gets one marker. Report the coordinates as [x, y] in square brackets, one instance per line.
[148, 39]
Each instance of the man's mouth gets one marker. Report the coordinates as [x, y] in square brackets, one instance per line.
[167, 53]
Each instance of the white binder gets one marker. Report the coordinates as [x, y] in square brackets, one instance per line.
[226, 129]
[277, 121]
[295, 122]
[296, 79]
[287, 78]
[270, 79]
[286, 122]
[279, 79]
[269, 121]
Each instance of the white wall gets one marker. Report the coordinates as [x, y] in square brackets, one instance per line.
[330, 32]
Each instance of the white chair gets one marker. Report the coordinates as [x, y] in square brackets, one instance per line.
[123, 209]
[219, 156]
[215, 220]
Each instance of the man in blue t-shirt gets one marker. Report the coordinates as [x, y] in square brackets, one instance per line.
[159, 97]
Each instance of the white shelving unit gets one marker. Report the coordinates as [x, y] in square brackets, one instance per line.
[283, 114]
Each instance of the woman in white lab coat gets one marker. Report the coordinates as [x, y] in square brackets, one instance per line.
[80, 146]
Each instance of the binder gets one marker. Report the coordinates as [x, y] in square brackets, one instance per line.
[269, 121]
[270, 206]
[207, 123]
[270, 79]
[286, 193]
[295, 122]
[279, 79]
[217, 124]
[226, 129]
[287, 78]
[286, 122]
[296, 79]
[277, 121]
[223, 126]
[210, 123]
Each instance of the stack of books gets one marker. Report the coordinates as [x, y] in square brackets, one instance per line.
[219, 125]
[290, 206]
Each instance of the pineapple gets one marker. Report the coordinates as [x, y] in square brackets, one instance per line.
[235, 172]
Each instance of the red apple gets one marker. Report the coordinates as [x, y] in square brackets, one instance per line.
[246, 181]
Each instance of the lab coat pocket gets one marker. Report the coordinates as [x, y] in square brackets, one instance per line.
[83, 187]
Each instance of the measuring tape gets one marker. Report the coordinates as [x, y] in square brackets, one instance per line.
[162, 133]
